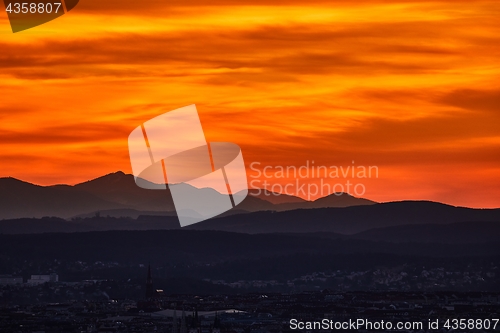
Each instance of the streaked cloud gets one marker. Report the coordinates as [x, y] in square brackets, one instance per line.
[411, 86]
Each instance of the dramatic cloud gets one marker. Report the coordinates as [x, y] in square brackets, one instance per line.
[410, 86]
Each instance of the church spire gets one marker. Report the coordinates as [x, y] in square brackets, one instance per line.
[183, 322]
[195, 323]
[174, 322]
[216, 327]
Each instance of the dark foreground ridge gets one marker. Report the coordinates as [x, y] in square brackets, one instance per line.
[418, 221]
[349, 220]
[235, 260]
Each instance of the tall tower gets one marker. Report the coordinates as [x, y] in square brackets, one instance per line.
[183, 322]
[149, 285]
[195, 323]
[216, 327]
[174, 322]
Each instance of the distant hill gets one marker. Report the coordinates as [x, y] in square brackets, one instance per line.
[101, 223]
[461, 232]
[116, 194]
[273, 197]
[185, 246]
[232, 257]
[21, 199]
[408, 221]
[332, 200]
[348, 220]
[132, 213]
[121, 188]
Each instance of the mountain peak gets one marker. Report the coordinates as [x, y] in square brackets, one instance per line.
[11, 181]
[338, 194]
[341, 199]
[112, 177]
[273, 197]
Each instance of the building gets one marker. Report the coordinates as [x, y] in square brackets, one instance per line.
[10, 280]
[40, 279]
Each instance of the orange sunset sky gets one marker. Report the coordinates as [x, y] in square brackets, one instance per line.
[412, 87]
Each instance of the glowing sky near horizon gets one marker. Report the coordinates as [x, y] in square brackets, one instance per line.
[412, 87]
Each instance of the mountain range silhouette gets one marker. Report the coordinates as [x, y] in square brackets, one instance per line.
[116, 194]
[115, 202]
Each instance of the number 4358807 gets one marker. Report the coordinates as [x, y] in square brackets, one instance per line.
[33, 8]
